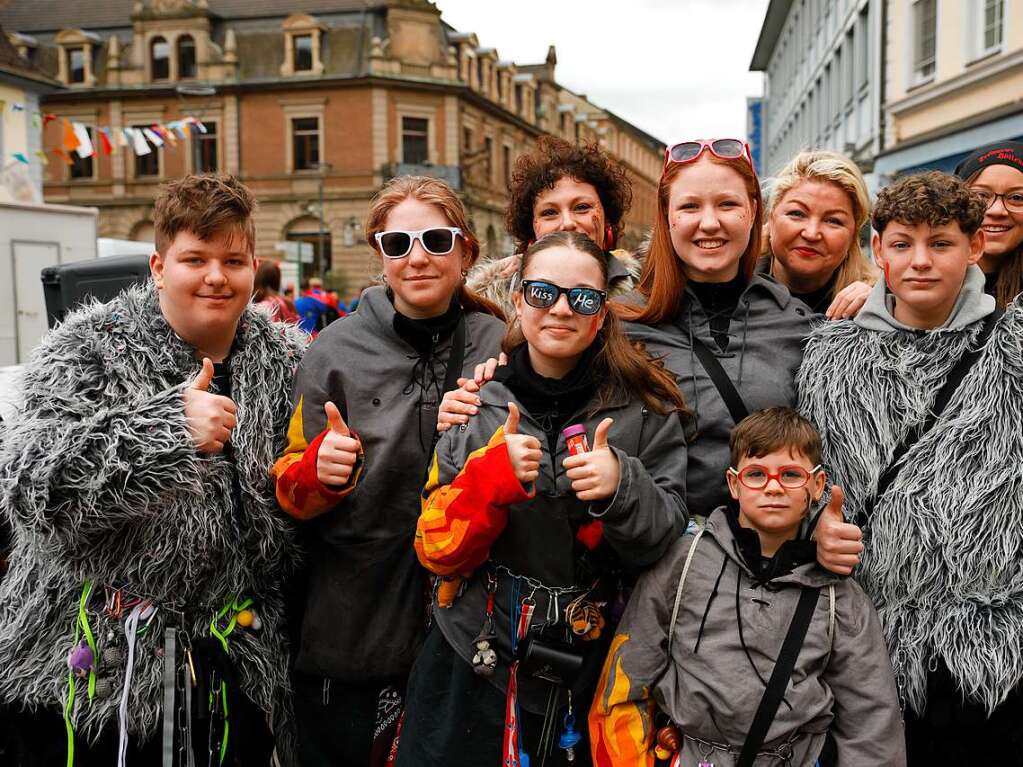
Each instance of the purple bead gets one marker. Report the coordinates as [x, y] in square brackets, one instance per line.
[81, 660]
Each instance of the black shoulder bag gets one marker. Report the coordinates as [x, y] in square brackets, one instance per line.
[945, 393]
[733, 400]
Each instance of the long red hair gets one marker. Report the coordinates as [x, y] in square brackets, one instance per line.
[663, 281]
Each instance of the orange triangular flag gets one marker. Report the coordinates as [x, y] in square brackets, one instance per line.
[64, 156]
[71, 142]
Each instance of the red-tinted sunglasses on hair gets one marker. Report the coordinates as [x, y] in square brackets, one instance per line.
[724, 148]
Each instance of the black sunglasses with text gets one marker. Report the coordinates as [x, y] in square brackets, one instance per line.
[438, 241]
[541, 294]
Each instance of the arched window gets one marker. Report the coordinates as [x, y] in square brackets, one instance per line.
[159, 59]
[186, 57]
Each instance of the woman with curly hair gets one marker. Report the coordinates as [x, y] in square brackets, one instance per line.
[562, 187]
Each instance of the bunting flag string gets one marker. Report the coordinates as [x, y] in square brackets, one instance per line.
[80, 140]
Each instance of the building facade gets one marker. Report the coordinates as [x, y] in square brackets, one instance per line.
[314, 108]
[823, 75]
[953, 81]
[21, 88]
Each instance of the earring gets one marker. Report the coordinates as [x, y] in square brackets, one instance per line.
[609, 238]
[465, 273]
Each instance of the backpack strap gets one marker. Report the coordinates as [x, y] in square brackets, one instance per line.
[679, 590]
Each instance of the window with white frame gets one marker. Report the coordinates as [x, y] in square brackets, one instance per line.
[925, 38]
[987, 27]
[863, 48]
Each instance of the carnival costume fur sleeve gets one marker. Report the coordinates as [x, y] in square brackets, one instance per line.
[111, 503]
[943, 545]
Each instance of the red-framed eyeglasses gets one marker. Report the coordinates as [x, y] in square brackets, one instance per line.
[758, 477]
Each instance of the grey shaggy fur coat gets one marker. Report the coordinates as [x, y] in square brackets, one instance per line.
[101, 481]
[944, 547]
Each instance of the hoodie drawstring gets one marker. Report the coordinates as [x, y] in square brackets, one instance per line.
[710, 601]
[742, 349]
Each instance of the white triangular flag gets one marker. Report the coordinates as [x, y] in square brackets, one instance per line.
[84, 148]
[154, 139]
[139, 142]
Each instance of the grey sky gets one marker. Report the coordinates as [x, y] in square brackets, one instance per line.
[675, 68]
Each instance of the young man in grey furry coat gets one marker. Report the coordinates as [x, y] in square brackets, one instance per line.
[941, 508]
[143, 602]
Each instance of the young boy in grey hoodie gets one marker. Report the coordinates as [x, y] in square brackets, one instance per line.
[702, 632]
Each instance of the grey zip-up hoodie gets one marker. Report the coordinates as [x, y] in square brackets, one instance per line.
[765, 347]
[728, 633]
[943, 545]
[535, 537]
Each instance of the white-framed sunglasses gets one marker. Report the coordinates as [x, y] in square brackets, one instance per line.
[437, 241]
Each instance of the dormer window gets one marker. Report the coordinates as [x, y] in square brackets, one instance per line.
[303, 45]
[75, 64]
[302, 52]
[186, 58]
[159, 59]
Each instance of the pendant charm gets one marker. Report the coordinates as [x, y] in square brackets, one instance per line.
[484, 659]
[570, 737]
[585, 618]
[667, 742]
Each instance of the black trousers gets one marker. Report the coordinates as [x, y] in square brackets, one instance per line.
[455, 717]
[335, 722]
[39, 739]
[953, 731]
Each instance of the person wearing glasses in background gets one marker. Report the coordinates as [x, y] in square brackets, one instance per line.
[732, 336]
[362, 430]
[563, 187]
[995, 171]
[818, 204]
[572, 473]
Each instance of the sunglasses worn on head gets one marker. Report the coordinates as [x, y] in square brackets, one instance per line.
[438, 241]
[758, 477]
[725, 148]
[541, 294]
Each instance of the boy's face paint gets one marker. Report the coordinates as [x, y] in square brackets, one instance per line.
[925, 267]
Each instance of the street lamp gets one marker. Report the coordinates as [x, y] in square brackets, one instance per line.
[323, 167]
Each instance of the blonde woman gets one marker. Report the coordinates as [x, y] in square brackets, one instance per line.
[818, 204]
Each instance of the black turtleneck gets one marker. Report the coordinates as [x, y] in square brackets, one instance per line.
[991, 283]
[551, 401]
[423, 335]
[789, 555]
[818, 300]
[719, 301]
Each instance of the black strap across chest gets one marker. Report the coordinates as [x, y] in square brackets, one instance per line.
[780, 676]
[456, 359]
[733, 400]
[945, 394]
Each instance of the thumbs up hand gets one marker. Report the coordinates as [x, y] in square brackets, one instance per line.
[524, 450]
[335, 460]
[839, 544]
[595, 474]
[210, 417]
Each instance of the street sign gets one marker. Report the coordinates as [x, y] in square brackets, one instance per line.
[295, 250]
